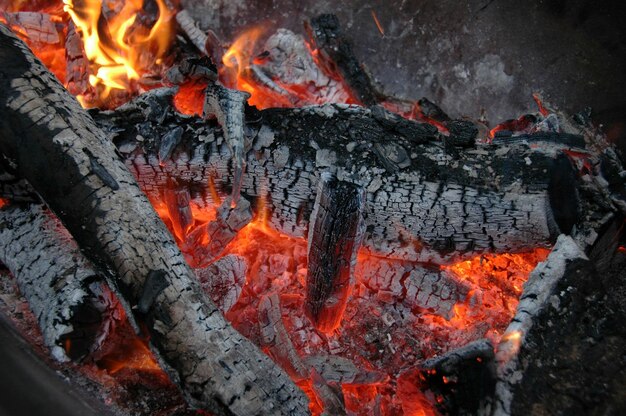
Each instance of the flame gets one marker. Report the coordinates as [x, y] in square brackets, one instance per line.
[119, 50]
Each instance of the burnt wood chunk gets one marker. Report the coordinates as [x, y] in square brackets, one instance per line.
[56, 146]
[177, 200]
[419, 286]
[334, 240]
[38, 27]
[221, 231]
[63, 289]
[462, 381]
[77, 64]
[275, 338]
[228, 106]
[189, 27]
[432, 111]
[337, 56]
[224, 280]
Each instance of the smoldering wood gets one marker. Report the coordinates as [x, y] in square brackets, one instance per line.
[336, 369]
[54, 144]
[331, 396]
[464, 379]
[223, 280]
[536, 296]
[38, 27]
[288, 65]
[438, 206]
[77, 64]
[177, 200]
[228, 106]
[221, 231]
[334, 241]
[335, 51]
[419, 286]
[275, 338]
[64, 290]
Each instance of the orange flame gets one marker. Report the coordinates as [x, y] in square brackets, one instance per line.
[119, 50]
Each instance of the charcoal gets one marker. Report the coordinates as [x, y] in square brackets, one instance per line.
[223, 280]
[334, 240]
[335, 369]
[169, 141]
[432, 111]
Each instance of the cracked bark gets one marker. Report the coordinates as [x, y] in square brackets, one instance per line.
[65, 292]
[53, 143]
[425, 201]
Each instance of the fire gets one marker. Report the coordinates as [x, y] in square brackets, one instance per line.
[278, 263]
[118, 49]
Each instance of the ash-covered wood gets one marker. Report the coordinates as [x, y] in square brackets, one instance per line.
[220, 232]
[538, 294]
[223, 280]
[336, 369]
[334, 241]
[197, 37]
[336, 54]
[435, 206]
[54, 144]
[419, 286]
[275, 338]
[66, 293]
[228, 106]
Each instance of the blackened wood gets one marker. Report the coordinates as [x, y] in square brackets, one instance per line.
[438, 207]
[462, 380]
[63, 289]
[228, 106]
[56, 146]
[334, 241]
[37, 27]
[335, 50]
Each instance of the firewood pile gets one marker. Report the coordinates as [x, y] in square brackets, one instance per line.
[286, 238]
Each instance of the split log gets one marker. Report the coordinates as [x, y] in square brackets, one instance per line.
[53, 143]
[334, 241]
[67, 295]
[423, 203]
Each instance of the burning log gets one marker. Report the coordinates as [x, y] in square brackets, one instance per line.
[38, 27]
[77, 78]
[423, 203]
[565, 257]
[49, 140]
[462, 381]
[65, 292]
[334, 240]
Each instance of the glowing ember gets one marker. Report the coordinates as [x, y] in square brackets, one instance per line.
[374, 333]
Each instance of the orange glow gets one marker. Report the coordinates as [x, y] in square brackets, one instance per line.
[277, 263]
[119, 50]
[190, 98]
[3, 202]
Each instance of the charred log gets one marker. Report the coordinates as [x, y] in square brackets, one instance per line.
[334, 241]
[56, 146]
[423, 203]
[66, 293]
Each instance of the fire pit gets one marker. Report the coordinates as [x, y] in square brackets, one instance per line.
[256, 227]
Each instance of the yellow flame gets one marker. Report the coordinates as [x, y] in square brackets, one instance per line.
[118, 49]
